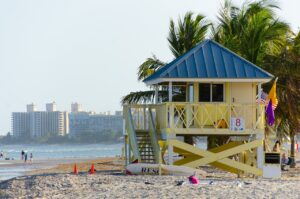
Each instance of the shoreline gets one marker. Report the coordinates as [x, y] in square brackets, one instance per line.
[62, 143]
[58, 181]
[15, 168]
[83, 165]
[110, 182]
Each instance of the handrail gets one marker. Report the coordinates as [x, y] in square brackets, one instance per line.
[201, 115]
[131, 133]
[153, 136]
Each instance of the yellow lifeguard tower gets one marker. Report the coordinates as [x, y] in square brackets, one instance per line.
[220, 92]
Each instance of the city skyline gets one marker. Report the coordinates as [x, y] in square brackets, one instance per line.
[34, 123]
[45, 108]
[68, 51]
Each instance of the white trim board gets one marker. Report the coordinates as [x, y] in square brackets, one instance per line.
[207, 80]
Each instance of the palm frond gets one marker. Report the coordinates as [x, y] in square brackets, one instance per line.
[143, 97]
[149, 67]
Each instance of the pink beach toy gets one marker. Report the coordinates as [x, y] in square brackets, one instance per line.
[194, 180]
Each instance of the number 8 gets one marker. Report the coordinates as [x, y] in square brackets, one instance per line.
[238, 122]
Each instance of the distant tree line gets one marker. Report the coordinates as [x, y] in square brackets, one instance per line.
[86, 137]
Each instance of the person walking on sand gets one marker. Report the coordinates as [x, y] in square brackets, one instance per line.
[22, 154]
[31, 157]
[25, 157]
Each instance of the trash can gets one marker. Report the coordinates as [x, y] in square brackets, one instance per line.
[272, 166]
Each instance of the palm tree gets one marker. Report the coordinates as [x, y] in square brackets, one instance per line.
[287, 67]
[252, 31]
[255, 32]
[182, 37]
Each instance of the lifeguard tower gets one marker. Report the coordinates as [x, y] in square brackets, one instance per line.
[220, 90]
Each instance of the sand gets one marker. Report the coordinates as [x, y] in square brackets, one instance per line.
[118, 186]
[110, 182]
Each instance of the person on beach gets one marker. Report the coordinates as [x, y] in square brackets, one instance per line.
[25, 157]
[22, 154]
[276, 147]
[31, 157]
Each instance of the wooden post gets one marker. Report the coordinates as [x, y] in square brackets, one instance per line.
[260, 150]
[259, 99]
[170, 92]
[159, 163]
[144, 117]
[129, 152]
[171, 107]
[156, 94]
[125, 143]
[170, 151]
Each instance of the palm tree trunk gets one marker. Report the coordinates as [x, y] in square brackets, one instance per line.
[293, 162]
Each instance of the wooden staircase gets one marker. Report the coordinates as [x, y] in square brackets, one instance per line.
[143, 141]
[145, 146]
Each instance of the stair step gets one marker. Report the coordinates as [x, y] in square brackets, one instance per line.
[142, 135]
[145, 150]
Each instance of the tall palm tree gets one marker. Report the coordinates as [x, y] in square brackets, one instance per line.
[182, 37]
[255, 32]
[287, 67]
[252, 31]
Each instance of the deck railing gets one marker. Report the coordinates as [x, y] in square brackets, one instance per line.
[198, 115]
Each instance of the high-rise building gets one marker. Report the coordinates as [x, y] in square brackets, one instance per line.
[35, 123]
[45, 123]
[20, 124]
[51, 107]
[119, 113]
[75, 107]
[31, 107]
[88, 122]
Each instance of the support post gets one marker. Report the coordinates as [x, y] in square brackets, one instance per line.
[156, 94]
[260, 150]
[170, 92]
[259, 99]
[170, 150]
[129, 152]
[145, 118]
[125, 143]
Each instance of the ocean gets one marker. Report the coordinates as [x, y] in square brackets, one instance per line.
[53, 151]
[44, 152]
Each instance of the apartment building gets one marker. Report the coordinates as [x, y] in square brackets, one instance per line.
[35, 123]
[89, 122]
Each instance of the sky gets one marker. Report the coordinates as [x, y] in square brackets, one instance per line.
[87, 51]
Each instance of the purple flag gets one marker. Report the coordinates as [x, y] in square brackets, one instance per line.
[270, 113]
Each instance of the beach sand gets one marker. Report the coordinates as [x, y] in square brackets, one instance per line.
[110, 182]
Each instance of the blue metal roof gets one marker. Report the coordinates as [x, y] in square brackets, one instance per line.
[210, 60]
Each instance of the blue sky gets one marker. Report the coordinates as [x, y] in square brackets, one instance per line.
[87, 51]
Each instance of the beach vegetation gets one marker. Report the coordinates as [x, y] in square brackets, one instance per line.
[51, 138]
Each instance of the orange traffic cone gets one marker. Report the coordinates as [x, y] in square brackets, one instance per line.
[75, 171]
[92, 170]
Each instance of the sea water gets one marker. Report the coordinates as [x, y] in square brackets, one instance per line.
[51, 151]
[56, 151]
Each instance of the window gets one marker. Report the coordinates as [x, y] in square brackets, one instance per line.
[204, 92]
[217, 93]
[211, 92]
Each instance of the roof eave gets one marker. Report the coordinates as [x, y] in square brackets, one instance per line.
[207, 80]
